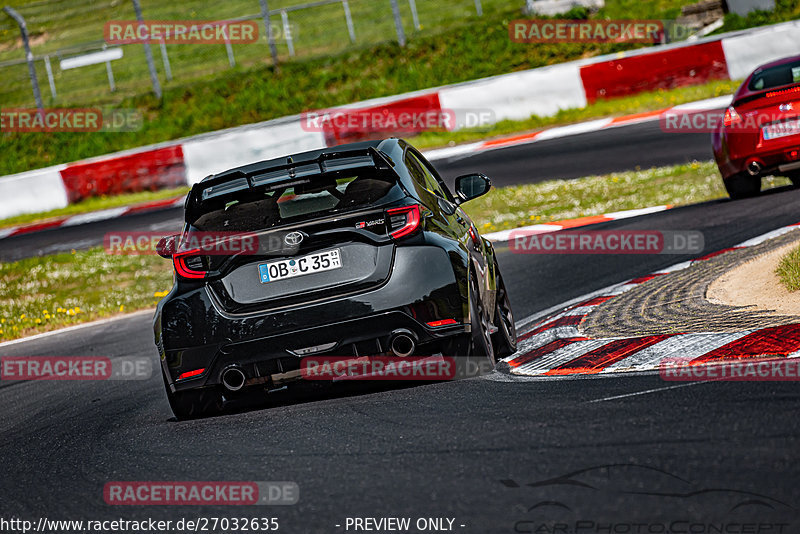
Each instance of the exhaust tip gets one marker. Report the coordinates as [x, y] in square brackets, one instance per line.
[754, 167]
[233, 379]
[402, 345]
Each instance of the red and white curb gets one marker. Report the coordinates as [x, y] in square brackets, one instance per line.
[555, 226]
[94, 216]
[468, 149]
[550, 344]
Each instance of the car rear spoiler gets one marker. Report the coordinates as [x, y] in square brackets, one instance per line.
[284, 175]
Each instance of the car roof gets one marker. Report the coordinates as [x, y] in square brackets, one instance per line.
[744, 91]
[310, 155]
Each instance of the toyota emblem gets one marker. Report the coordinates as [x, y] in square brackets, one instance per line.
[293, 239]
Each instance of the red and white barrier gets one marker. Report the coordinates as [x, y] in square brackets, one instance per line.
[543, 91]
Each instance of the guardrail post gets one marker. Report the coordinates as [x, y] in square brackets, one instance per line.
[50, 79]
[110, 73]
[148, 54]
[273, 50]
[287, 31]
[23, 28]
[398, 23]
[165, 60]
[479, 8]
[349, 18]
[414, 16]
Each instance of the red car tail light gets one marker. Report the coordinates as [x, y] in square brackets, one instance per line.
[403, 221]
[731, 117]
[189, 265]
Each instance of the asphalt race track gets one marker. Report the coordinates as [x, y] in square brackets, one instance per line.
[495, 454]
[615, 149]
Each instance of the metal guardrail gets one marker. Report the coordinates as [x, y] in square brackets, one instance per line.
[299, 30]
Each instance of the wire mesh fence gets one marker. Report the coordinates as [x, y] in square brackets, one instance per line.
[76, 66]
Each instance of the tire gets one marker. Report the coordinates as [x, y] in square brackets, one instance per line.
[193, 403]
[742, 186]
[481, 345]
[505, 339]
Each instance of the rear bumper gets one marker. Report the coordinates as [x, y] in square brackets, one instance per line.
[733, 155]
[425, 285]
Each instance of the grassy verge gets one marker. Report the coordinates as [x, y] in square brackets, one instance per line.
[95, 204]
[785, 10]
[49, 292]
[512, 207]
[650, 101]
[788, 270]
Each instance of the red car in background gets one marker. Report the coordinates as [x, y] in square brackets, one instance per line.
[760, 132]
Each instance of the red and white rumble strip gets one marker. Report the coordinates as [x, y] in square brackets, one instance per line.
[552, 345]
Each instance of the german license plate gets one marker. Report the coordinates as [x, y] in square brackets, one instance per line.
[782, 129]
[312, 263]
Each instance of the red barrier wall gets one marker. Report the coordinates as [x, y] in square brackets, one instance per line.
[678, 67]
[151, 170]
[362, 128]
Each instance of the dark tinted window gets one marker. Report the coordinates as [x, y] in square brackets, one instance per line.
[776, 77]
[424, 176]
[266, 207]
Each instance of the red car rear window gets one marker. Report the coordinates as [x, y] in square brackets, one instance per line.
[773, 77]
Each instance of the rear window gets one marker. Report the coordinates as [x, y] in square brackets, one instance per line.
[250, 210]
[775, 77]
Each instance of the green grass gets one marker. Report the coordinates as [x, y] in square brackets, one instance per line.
[788, 270]
[94, 204]
[248, 94]
[50, 292]
[785, 10]
[511, 207]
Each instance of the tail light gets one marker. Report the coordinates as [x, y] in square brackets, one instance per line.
[191, 374]
[784, 92]
[403, 221]
[190, 264]
[731, 117]
[443, 322]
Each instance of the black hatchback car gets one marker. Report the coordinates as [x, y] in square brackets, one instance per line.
[361, 250]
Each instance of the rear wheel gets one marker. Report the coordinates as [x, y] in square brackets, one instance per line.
[505, 339]
[742, 186]
[481, 345]
[193, 403]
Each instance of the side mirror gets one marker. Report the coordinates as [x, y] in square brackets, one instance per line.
[166, 246]
[471, 186]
